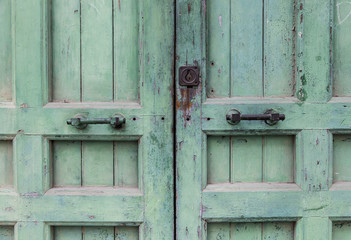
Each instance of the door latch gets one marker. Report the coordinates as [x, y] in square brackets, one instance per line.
[81, 121]
[271, 117]
[189, 76]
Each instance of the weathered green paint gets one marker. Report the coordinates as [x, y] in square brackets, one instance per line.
[92, 233]
[98, 58]
[254, 56]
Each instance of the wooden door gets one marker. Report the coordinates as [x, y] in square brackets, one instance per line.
[252, 180]
[59, 58]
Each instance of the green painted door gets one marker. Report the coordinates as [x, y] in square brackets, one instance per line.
[251, 180]
[60, 58]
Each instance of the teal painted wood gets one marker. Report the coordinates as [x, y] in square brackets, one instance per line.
[6, 58]
[220, 186]
[95, 233]
[65, 50]
[341, 230]
[74, 74]
[7, 233]
[341, 53]
[250, 231]
[6, 164]
[140, 193]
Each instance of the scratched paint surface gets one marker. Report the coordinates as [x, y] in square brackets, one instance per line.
[250, 159]
[250, 231]
[254, 56]
[96, 233]
[98, 58]
[95, 54]
[250, 43]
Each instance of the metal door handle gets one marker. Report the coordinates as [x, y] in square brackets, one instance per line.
[270, 117]
[80, 121]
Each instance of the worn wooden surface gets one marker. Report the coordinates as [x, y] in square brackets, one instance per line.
[98, 58]
[291, 56]
[95, 53]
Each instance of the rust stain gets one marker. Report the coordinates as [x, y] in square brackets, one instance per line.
[119, 4]
[189, 7]
[185, 105]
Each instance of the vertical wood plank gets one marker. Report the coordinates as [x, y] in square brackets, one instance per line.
[246, 157]
[65, 36]
[97, 54]
[126, 233]
[6, 233]
[218, 45]
[246, 48]
[126, 50]
[278, 162]
[278, 231]
[5, 51]
[342, 49]
[126, 160]
[316, 228]
[98, 233]
[28, 157]
[33, 230]
[278, 47]
[67, 233]
[6, 163]
[218, 231]
[341, 158]
[67, 165]
[316, 82]
[316, 147]
[218, 159]
[341, 231]
[29, 74]
[97, 159]
[246, 231]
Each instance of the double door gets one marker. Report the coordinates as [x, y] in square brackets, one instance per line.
[175, 119]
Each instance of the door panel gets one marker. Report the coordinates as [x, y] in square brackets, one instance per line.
[95, 58]
[250, 44]
[286, 181]
[94, 53]
[251, 231]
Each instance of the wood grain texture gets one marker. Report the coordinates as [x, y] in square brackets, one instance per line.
[95, 163]
[246, 48]
[6, 51]
[95, 233]
[66, 50]
[250, 159]
[126, 50]
[97, 54]
[250, 231]
[278, 48]
[250, 49]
